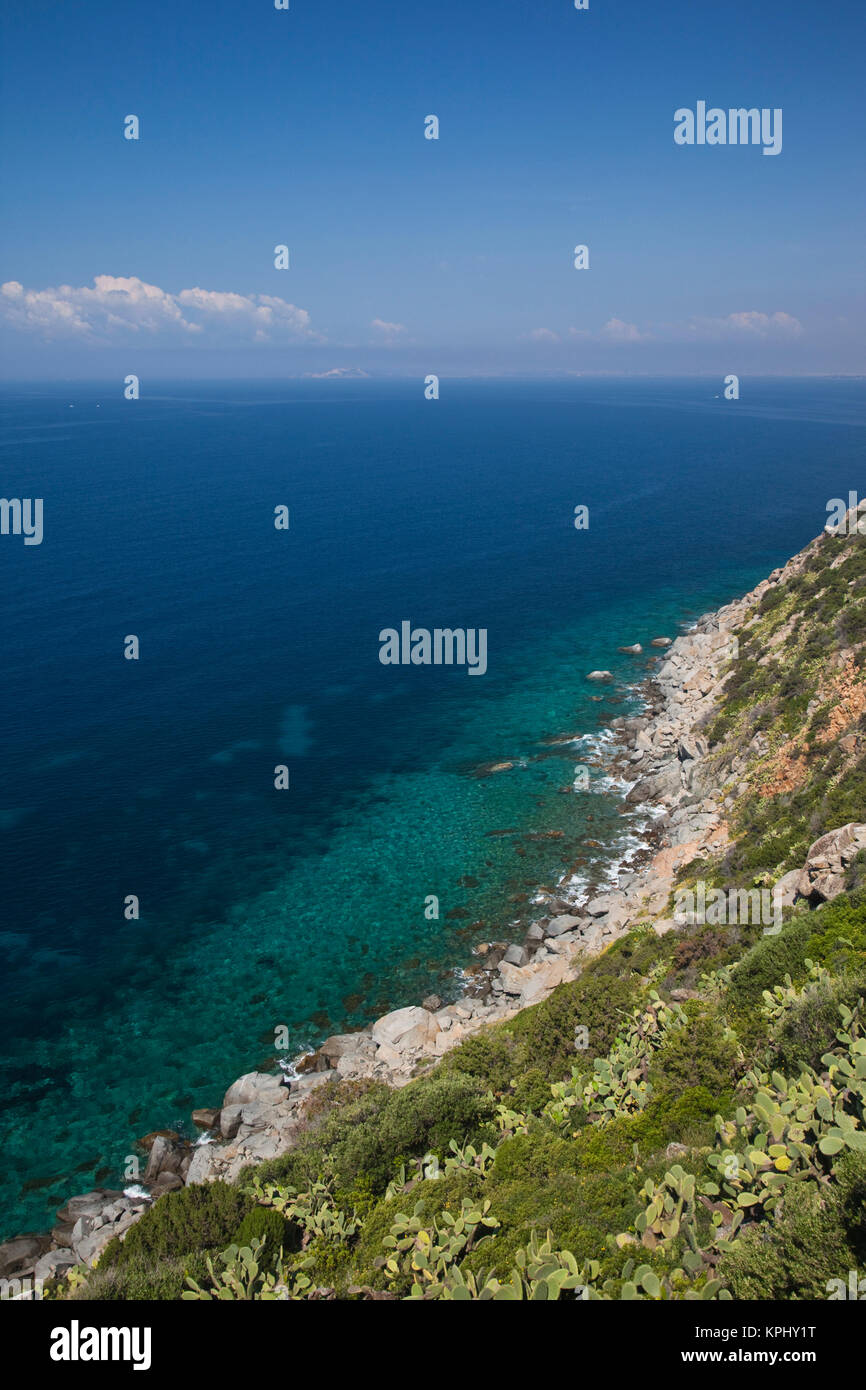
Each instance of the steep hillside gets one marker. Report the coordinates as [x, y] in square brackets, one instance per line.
[684, 1114]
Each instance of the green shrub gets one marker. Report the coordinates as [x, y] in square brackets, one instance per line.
[420, 1118]
[838, 932]
[598, 1001]
[278, 1233]
[815, 1239]
[445, 1193]
[605, 1148]
[193, 1220]
[308, 1160]
[767, 964]
[773, 597]
[525, 1054]
[531, 1090]
[140, 1279]
[535, 1155]
[580, 1208]
[299, 1168]
[853, 623]
[851, 1189]
[489, 1056]
[331, 1263]
[696, 1056]
[809, 1028]
[688, 1118]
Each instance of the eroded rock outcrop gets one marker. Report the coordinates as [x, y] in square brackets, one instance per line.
[823, 875]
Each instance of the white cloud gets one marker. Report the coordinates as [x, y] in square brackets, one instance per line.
[544, 335]
[616, 331]
[388, 330]
[118, 304]
[747, 323]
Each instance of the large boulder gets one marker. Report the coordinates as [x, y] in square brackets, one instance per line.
[230, 1121]
[95, 1228]
[256, 1115]
[514, 978]
[407, 1028]
[558, 926]
[205, 1162]
[666, 781]
[207, 1118]
[824, 872]
[54, 1264]
[544, 977]
[166, 1182]
[691, 746]
[87, 1204]
[343, 1045]
[787, 888]
[358, 1062]
[516, 955]
[608, 903]
[21, 1253]
[255, 1086]
[256, 1148]
[534, 982]
[164, 1157]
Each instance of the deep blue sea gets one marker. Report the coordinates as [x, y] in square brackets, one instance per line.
[304, 907]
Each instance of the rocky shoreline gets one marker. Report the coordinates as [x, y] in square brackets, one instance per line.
[660, 754]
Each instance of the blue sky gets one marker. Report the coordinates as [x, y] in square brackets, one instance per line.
[306, 127]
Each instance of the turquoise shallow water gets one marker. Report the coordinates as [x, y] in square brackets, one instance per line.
[307, 910]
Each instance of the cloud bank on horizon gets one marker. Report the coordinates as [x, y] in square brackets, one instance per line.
[118, 306]
[119, 309]
[747, 324]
